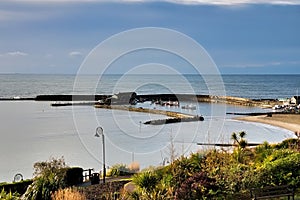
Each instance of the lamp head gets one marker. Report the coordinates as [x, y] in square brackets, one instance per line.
[99, 131]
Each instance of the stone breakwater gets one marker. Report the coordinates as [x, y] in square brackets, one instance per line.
[126, 97]
[175, 117]
[145, 110]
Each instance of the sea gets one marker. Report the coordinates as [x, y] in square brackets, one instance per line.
[33, 131]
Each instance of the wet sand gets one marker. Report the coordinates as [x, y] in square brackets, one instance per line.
[287, 121]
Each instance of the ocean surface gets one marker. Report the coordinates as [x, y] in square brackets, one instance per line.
[248, 86]
[34, 131]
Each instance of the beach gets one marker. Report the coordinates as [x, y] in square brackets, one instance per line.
[287, 121]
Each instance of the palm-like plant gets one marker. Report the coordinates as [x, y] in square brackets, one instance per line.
[239, 139]
[241, 143]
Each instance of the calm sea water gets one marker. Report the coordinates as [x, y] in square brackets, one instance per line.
[249, 86]
[34, 131]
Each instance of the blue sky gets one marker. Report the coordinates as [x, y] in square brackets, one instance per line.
[52, 36]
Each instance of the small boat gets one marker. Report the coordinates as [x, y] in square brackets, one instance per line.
[189, 107]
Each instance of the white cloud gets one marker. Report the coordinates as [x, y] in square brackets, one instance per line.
[75, 54]
[191, 2]
[14, 53]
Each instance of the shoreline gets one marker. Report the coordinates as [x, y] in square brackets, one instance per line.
[290, 122]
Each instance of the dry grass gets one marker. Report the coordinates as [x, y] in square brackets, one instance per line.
[134, 166]
[68, 194]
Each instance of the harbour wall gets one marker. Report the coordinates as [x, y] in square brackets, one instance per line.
[125, 97]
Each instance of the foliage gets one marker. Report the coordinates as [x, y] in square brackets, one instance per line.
[68, 194]
[9, 196]
[160, 183]
[215, 174]
[17, 187]
[199, 186]
[49, 177]
[153, 184]
[288, 144]
[262, 152]
[74, 176]
[229, 174]
[52, 166]
[241, 143]
[119, 170]
[183, 168]
[146, 181]
[239, 139]
[280, 168]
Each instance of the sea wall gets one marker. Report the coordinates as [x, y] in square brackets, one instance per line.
[155, 97]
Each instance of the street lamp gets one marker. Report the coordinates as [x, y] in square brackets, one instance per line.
[99, 131]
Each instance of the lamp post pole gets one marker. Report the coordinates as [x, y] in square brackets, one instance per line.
[99, 131]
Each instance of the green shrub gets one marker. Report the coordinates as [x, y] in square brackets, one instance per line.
[17, 187]
[262, 152]
[119, 170]
[9, 196]
[289, 143]
[151, 186]
[183, 168]
[280, 168]
[198, 186]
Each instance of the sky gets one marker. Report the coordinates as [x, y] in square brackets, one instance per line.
[241, 36]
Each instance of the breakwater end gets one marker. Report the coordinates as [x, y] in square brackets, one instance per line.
[71, 97]
[18, 99]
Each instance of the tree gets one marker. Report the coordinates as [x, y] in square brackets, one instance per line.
[241, 144]
[49, 177]
[239, 139]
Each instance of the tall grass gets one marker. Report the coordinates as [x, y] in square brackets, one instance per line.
[68, 194]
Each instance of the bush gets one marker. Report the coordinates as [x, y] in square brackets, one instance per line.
[280, 168]
[289, 143]
[262, 152]
[9, 196]
[74, 176]
[49, 177]
[183, 168]
[151, 186]
[146, 180]
[18, 187]
[119, 170]
[199, 186]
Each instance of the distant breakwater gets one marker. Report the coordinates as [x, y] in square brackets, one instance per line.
[125, 98]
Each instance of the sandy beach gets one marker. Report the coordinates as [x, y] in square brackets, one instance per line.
[287, 121]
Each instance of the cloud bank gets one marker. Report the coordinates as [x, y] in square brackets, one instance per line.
[14, 53]
[75, 54]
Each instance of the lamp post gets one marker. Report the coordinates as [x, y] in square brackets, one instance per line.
[99, 132]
